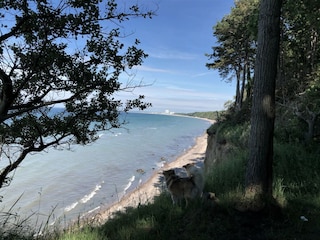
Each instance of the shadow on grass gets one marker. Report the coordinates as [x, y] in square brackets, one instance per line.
[204, 220]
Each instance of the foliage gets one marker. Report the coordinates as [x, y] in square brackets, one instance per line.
[234, 55]
[68, 54]
[300, 47]
[298, 167]
[298, 77]
[298, 82]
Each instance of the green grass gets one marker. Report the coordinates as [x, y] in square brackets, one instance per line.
[296, 190]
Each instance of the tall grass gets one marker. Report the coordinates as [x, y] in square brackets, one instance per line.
[228, 175]
[299, 167]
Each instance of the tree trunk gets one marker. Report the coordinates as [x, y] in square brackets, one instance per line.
[259, 168]
[236, 104]
[243, 84]
[249, 83]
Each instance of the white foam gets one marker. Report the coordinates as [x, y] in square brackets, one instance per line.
[100, 135]
[90, 211]
[87, 197]
[129, 183]
[71, 206]
[93, 210]
[161, 164]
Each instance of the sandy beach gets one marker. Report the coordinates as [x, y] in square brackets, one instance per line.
[146, 192]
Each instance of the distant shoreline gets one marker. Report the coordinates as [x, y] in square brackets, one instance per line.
[187, 116]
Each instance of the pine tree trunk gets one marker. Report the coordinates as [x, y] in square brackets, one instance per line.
[238, 71]
[259, 168]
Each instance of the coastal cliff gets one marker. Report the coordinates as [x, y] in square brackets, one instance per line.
[223, 141]
[216, 150]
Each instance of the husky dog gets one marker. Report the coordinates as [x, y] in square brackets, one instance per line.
[197, 174]
[180, 187]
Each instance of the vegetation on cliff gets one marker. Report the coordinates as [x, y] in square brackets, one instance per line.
[268, 50]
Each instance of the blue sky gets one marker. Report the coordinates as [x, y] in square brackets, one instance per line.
[176, 41]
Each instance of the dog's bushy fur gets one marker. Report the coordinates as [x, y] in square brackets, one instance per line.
[197, 174]
[179, 187]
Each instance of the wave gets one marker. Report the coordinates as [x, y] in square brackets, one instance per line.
[129, 183]
[86, 198]
[90, 211]
[100, 135]
[71, 206]
[161, 164]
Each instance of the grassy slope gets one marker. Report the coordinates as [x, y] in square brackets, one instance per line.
[296, 189]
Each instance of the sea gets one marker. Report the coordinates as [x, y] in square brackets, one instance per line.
[60, 186]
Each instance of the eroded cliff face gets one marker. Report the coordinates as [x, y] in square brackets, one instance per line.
[217, 149]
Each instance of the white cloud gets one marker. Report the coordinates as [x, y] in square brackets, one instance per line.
[172, 54]
[151, 69]
[178, 99]
[201, 74]
[186, 105]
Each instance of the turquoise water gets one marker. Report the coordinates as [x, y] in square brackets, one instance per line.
[66, 185]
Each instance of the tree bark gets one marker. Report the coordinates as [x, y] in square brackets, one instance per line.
[259, 168]
[236, 104]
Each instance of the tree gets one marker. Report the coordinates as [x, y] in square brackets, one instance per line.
[259, 168]
[234, 54]
[298, 83]
[61, 53]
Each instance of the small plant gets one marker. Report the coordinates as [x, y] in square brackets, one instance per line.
[279, 192]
